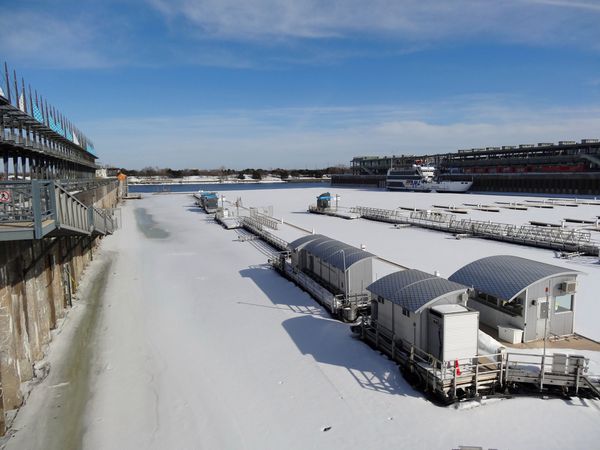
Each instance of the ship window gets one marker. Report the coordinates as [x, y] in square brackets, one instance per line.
[563, 303]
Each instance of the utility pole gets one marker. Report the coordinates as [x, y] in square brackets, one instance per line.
[546, 312]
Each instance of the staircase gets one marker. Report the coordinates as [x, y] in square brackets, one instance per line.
[44, 208]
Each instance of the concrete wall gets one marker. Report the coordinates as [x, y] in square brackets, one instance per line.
[32, 298]
[37, 281]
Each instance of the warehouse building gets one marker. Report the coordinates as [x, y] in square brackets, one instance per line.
[341, 268]
[521, 298]
[566, 167]
[426, 311]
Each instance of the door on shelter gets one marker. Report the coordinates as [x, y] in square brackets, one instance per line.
[542, 315]
[435, 336]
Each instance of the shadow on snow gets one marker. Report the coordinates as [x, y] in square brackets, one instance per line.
[327, 340]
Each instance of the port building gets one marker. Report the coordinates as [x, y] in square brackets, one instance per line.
[426, 311]
[565, 167]
[341, 268]
[522, 299]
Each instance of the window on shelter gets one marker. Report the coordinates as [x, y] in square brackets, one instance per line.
[405, 312]
[380, 299]
[563, 303]
[514, 307]
[482, 297]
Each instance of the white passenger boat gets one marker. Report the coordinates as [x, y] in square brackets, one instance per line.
[420, 179]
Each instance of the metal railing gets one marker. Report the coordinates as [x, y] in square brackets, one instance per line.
[454, 378]
[33, 209]
[70, 213]
[24, 201]
[255, 226]
[569, 239]
[101, 221]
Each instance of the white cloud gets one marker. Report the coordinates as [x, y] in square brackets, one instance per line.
[530, 21]
[315, 137]
[34, 38]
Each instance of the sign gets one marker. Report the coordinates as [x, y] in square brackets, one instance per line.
[5, 196]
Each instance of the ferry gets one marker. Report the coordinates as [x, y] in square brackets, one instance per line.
[421, 179]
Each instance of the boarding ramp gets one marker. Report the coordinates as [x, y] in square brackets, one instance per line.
[44, 208]
[264, 219]
[255, 226]
[564, 239]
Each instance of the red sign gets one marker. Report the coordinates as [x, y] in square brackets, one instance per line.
[5, 197]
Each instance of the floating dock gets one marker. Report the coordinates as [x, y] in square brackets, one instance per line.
[485, 208]
[555, 238]
[333, 212]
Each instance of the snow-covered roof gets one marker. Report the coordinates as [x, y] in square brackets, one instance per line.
[303, 240]
[413, 289]
[336, 253]
[506, 276]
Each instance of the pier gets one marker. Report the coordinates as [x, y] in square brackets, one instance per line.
[53, 211]
[555, 238]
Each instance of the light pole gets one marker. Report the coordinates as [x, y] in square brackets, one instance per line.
[345, 277]
[546, 315]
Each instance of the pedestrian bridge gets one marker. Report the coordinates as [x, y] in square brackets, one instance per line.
[38, 209]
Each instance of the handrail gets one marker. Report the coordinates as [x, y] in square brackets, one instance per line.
[557, 238]
[47, 205]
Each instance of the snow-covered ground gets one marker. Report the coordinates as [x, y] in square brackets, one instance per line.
[200, 345]
[431, 250]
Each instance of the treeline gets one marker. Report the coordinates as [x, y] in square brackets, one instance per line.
[223, 172]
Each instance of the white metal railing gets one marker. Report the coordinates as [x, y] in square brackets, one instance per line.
[552, 237]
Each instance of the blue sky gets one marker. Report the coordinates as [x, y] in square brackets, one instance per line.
[306, 83]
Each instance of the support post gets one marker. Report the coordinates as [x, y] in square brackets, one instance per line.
[37, 208]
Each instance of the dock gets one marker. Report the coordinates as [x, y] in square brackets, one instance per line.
[333, 212]
[451, 381]
[555, 238]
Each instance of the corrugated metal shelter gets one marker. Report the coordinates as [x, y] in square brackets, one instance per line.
[405, 302]
[510, 291]
[342, 268]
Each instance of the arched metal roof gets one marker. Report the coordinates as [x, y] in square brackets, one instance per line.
[413, 289]
[303, 240]
[506, 276]
[336, 253]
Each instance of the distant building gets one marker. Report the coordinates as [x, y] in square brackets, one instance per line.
[568, 167]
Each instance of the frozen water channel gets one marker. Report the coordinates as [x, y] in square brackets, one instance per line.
[198, 344]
